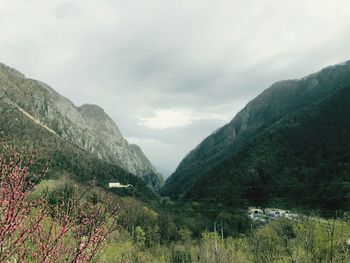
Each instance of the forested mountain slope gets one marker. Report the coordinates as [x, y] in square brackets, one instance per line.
[303, 160]
[278, 101]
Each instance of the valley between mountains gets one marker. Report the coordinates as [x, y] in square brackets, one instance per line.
[286, 151]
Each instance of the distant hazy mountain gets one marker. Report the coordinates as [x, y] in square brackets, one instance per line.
[165, 172]
[221, 152]
[87, 127]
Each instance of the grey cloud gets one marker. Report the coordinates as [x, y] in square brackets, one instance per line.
[165, 145]
[67, 9]
[136, 57]
[198, 129]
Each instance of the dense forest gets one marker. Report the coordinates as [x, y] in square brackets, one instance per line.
[301, 161]
[62, 220]
[280, 100]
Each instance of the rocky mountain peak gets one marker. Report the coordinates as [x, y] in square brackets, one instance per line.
[87, 127]
[92, 111]
[11, 71]
[98, 121]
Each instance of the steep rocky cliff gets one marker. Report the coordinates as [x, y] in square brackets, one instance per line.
[87, 127]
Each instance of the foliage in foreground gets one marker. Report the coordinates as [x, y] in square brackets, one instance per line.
[58, 221]
[71, 229]
[307, 240]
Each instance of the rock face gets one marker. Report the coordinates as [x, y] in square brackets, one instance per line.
[281, 99]
[87, 127]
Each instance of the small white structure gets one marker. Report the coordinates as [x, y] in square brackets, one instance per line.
[119, 185]
[268, 214]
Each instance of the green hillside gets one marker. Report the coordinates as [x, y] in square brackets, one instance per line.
[275, 103]
[65, 159]
[303, 160]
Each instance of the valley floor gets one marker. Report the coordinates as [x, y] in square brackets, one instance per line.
[283, 240]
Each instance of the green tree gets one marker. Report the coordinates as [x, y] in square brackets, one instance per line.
[185, 235]
[140, 235]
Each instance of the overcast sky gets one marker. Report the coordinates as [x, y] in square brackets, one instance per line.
[170, 72]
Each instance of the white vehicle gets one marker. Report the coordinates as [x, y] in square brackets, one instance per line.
[287, 214]
[255, 213]
[273, 212]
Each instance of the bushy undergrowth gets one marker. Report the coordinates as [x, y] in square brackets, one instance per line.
[60, 220]
[61, 226]
[308, 240]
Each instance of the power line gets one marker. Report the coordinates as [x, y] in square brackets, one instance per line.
[278, 185]
[245, 210]
[267, 199]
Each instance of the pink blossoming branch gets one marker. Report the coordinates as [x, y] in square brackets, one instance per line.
[32, 231]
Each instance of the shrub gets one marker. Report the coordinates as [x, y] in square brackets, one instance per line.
[69, 230]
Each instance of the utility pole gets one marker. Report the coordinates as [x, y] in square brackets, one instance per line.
[216, 240]
[222, 230]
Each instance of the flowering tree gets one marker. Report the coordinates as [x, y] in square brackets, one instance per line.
[32, 230]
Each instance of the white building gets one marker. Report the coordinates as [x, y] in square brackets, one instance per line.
[119, 185]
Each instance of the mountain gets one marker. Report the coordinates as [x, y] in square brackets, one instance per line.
[87, 128]
[303, 160]
[165, 172]
[269, 108]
